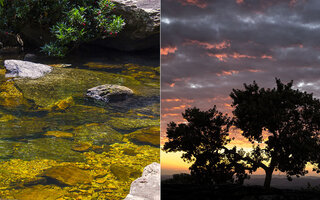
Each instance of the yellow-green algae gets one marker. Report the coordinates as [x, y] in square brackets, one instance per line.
[59, 134]
[21, 127]
[62, 83]
[10, 96]
[130, 123]
[17, 175]
[62, 104]
[148, 135]
[95, 65]
[97, 133]
[50, 148]
[49, 125]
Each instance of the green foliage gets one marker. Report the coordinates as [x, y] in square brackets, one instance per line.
[71, 23]
[52, 49]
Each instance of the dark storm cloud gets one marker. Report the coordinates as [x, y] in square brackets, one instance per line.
[226, 43]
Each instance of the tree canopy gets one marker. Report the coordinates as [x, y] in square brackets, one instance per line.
[203, 139]
[283, 125]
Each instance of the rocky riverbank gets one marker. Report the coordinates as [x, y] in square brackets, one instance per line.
[142, 30]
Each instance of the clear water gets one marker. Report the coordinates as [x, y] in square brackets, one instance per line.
[49, 130]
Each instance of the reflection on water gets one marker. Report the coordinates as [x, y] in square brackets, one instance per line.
[55, 144]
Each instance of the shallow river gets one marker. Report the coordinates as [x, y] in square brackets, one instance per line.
[56, 144]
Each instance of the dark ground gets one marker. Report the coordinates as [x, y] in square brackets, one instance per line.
[233, 192]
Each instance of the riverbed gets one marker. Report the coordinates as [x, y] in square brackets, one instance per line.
[57, 144]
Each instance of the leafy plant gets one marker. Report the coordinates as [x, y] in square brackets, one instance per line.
[71, 23]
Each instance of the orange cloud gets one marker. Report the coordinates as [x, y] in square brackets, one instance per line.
[237, 55]
[176, 108]
[170, 100]
[228, 105]
[228, 73]
[166, 50]
[222, 57]
[255, 70]
[239, 1]
[264, 56]
[206, 45]
[198, 3]
[170, 115]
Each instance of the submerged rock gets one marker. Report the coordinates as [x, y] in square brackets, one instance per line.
[62, 104]
[123, 173]
[21, 127]
[59, 134]
[68, 175]
[25, 69]
[97, 133]
[62, 83]
[148, 185]
[77, 115]
[40, 192]
[48, 148]
[129, 123]
[6, 149]
[10, 96]
[81, 147]
[149, 135]
[109, 93]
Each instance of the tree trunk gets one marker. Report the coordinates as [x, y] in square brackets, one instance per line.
[267, 180]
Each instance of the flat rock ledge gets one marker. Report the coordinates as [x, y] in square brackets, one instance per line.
[147, 187]
[109, 93]
[25, 69]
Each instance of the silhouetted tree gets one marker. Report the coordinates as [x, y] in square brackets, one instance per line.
[283, 125]
[286, 120]
[203, 139]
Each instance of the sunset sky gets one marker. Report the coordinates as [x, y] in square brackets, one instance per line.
[209, 47]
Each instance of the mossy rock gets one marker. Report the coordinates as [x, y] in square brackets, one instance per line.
[10, 96]
[77, 115]
[6, 149]
[48, 148]
[81, 147]
[6, 117]
[62, 83]
[97, 134]
[22, 127]
[149, 135]
[95, 65]
[68, 175]
[123, 173]
[40, 192]
[59, 134]
[149, 76]
[129, 123]
[62, 104]
[2, 72]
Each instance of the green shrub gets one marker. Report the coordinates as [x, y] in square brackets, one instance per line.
[70, 22]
